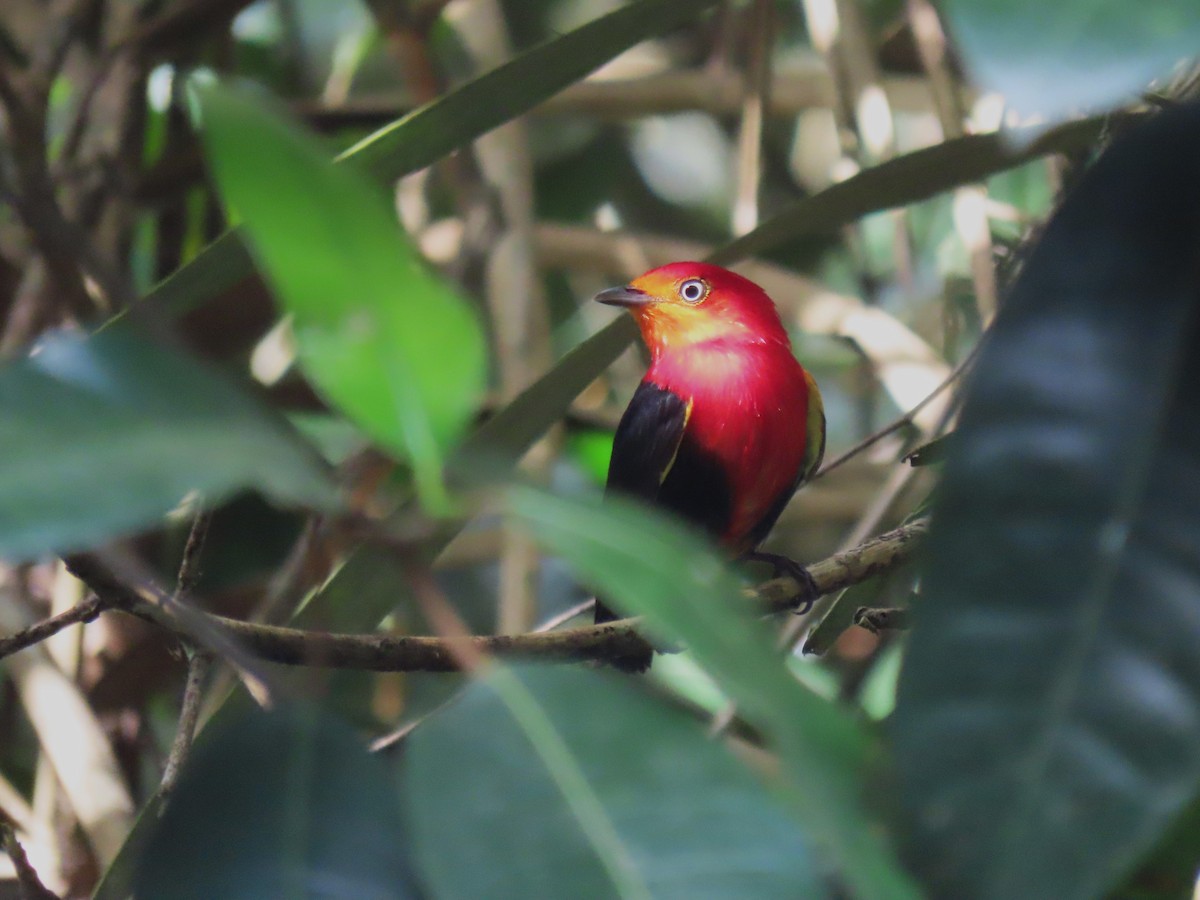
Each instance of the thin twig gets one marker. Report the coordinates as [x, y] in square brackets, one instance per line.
[29, 885]
[189, 564]
[902, 421]
[199, 660]
[565, 616]
[125, 581]
[750, 128]
[199, 663]
[40, 631]
[970, 201]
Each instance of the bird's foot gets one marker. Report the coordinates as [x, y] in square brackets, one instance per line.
[809, 592]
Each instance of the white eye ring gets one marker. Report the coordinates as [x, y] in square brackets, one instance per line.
[693, 290]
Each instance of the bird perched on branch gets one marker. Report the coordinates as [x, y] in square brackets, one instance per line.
[726, 423]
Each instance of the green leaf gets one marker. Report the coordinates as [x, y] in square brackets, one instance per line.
[647, 563]
[383, 338]
[1046, 725]
[1169, 872]
[910, 178]
[1035, 53]
[580, 784]
[106, 435]
[280, 804]
[453, 121]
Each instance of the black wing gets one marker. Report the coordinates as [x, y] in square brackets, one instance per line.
[655, 459]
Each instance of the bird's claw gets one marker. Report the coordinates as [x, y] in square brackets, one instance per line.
[782, 565]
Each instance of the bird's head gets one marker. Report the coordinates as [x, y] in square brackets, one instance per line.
[688, 303]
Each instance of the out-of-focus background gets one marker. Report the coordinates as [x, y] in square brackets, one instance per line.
[835, 151]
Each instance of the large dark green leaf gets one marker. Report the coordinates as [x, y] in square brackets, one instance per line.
[648, 564]
[1049, 705]
[105, 435]
[1056, 58]
[554, 782]
[453, 121]
[383, 338]
[282, 804]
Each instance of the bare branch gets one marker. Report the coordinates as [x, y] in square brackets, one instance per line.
[199, 663]
[614, 640]
[199, 659]
[29, 886]
[40, 631]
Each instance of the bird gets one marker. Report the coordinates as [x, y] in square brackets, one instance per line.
[726, 424]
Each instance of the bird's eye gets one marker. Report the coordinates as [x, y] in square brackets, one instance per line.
[693, 290]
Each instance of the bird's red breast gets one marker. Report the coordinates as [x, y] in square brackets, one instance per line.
[746, 412]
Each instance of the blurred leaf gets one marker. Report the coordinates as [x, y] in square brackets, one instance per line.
[453, 121]
[280, 804]
[369, 585]
[909, 178]
[373, 325]
[513, 88]
[877, 693]
[840, 615]
[335, 438]
[106, 435]
[1169, 872]
[931, 452]
[648, 564]
[676, 813]
[1047, 719]
[591, 448]
[1033, 53]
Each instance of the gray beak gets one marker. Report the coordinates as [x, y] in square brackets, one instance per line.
[623, 296]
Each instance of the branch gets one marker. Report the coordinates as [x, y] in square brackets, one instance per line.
[29, 886]
[878, 555]
[613, 640]
[875, 620]
[199, 660]
[40, 631]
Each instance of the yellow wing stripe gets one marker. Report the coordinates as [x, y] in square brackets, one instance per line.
[814, 446]
[687, 415]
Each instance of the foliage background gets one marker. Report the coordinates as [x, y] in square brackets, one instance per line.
[344, 427]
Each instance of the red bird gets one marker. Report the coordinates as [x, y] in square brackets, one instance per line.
[726, 424]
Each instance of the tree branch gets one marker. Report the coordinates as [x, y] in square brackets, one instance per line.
[390, 653]
[29, 886]
[40, 631]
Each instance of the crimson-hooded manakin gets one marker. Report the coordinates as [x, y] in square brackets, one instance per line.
[726, 424]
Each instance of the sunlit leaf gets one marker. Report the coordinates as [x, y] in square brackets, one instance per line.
[382, 337]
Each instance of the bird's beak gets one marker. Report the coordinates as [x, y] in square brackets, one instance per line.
[624, 296]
